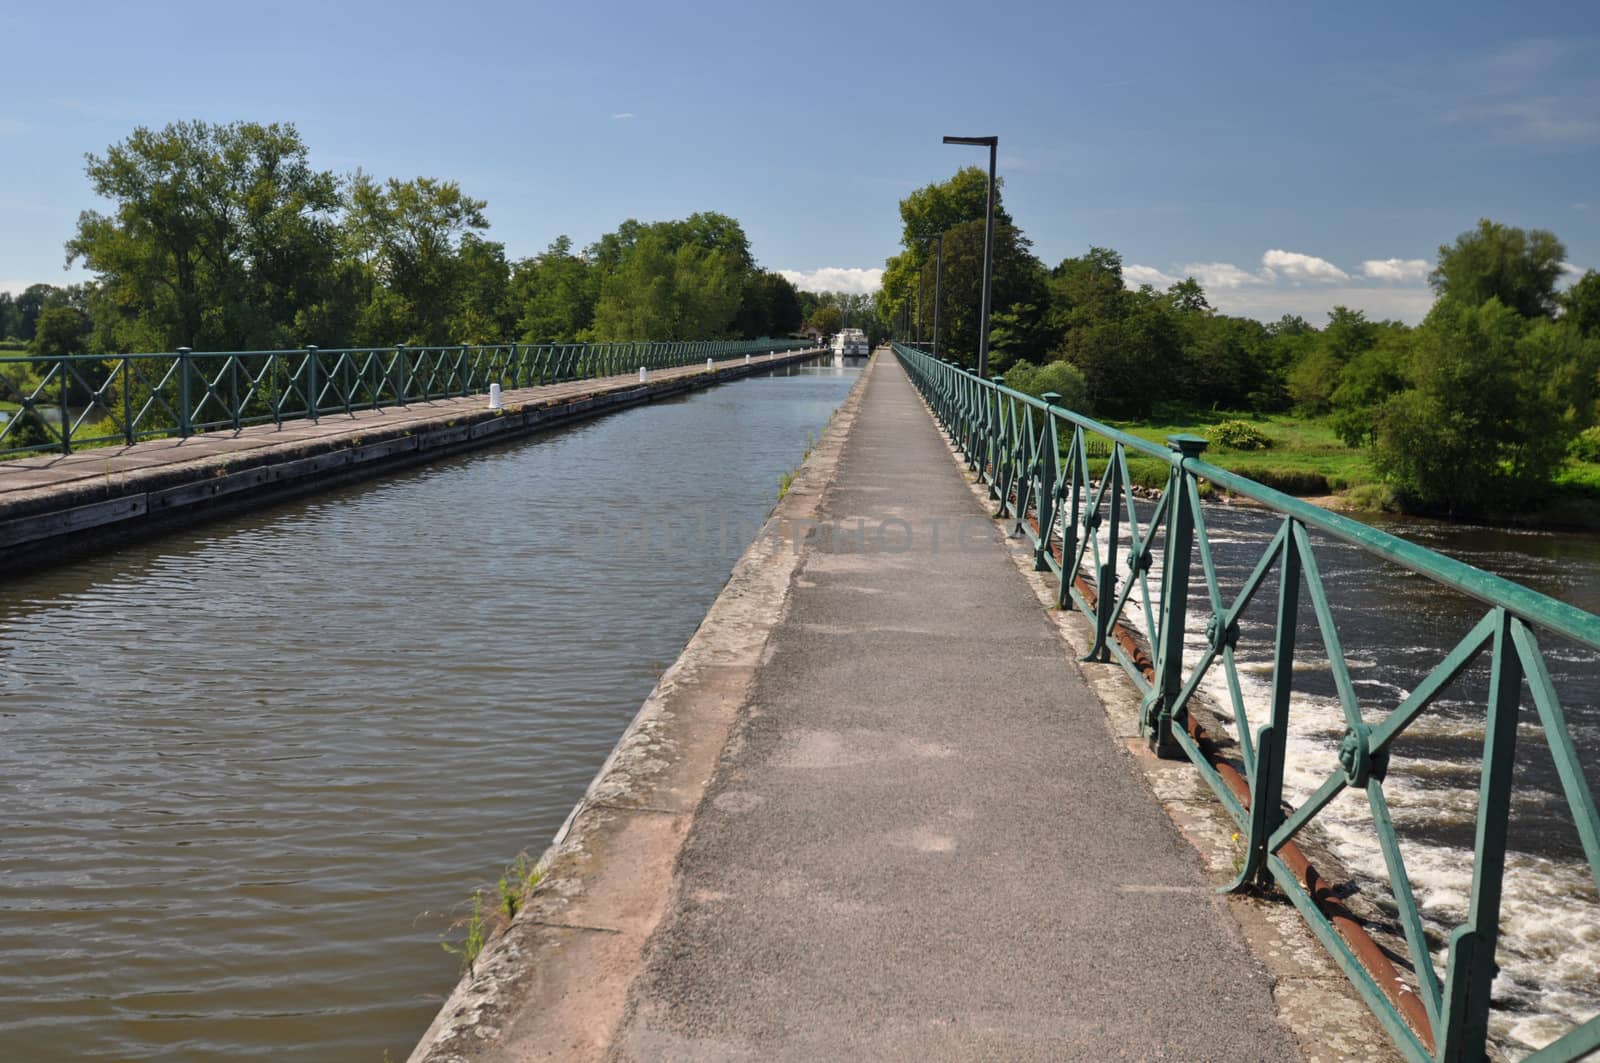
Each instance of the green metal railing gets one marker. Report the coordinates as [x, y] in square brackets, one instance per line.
[99, 400]
[1036, 458]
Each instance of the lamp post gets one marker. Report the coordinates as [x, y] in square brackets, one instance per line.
[988, 250]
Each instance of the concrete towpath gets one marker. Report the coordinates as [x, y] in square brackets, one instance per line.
[922, 840]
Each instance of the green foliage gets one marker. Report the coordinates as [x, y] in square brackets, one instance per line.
[1585, 446]
[475, 930]
[957, 208]
[1240, 435]
[219, 234]
[827, 320]
[1580, 304]
[1491, 403]
[768, 306]
[59, 332]
[1517, 268]
[223, 237]
[1124, 358]
[664, 292]
[554, 294]
[420, 256]
[1060, 377]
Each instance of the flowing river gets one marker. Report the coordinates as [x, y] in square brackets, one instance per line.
[1395, 627]
[253, 771]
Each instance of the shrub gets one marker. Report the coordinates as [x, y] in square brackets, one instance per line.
[1291, 481]
[1586, 447]
[1240, 435]
[1371, 498]
[1060, 377]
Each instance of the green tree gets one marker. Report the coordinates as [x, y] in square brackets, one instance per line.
[1018, 293]
[1129, 359]
[768, 306]
[409, 237]
[827, 319]
[1315, 377]
[933, 209]
[1060, 377]
[482, 311]
[1491, 404]
[1580, 304]
[1515, 266]
[59, 332]
[659, 292]
[218, 235]
[554, 294]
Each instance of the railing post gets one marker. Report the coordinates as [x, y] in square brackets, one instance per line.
[311, 380]
[402, 374]
[1159, 718]
[66, 413]
[127, 400]
[1105, 589]
[1047, 501]
[185, 424]
[274, 368]
[233, 388]
[1470, 967]
[990, 453]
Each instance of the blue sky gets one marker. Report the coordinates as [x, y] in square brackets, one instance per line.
[1291, 156]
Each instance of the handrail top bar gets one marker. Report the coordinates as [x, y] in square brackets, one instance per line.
[23, 356]
[1523, 602]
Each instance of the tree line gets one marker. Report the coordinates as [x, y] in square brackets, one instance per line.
[225, 237]
[1476, 408]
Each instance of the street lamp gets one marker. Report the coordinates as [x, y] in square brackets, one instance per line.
[988, 249]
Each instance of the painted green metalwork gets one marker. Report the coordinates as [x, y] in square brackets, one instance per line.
[106, 400]
[1036, 459]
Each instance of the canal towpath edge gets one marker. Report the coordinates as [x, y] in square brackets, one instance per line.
[553, 984]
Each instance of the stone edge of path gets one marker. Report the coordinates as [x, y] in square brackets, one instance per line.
[1315, 1001]
[553, 984]
[222, 473]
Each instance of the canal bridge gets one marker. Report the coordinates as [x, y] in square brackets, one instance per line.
[980, 751]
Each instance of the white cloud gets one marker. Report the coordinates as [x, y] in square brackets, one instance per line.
[1133, 276]
[1222, 275]
[1538, 119]
[622, 116]
[849, 280]
[1301, 267]
[1402, 270]
[1380, 304]
[1292, 282]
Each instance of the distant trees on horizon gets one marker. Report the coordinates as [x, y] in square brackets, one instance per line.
[224, 237]
[1482, 402]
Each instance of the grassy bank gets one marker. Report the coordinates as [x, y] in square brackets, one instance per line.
[1305, 457]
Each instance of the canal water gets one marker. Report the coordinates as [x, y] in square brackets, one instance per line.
[252, 772]
[1395, 628]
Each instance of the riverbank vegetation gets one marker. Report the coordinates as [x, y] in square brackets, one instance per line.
[225, 237]
[1486, 409]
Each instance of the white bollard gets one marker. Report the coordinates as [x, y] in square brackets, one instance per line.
[641, 374]
[708, 363]
[747, 358]
[494, 396]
